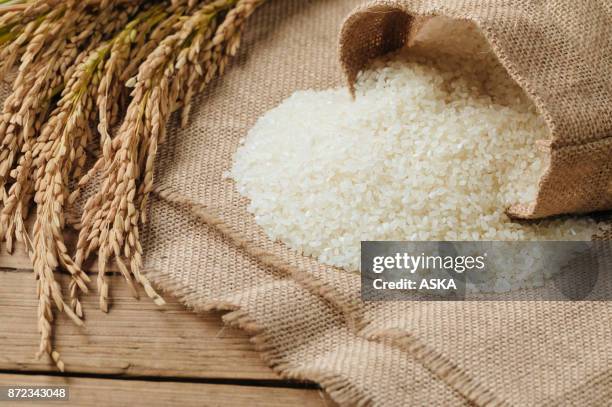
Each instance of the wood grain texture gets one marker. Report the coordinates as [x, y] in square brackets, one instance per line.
[111, 392]
[18, 259]
[136, 338]
[138, 344]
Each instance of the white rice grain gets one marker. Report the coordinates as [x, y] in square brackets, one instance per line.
[426, 151]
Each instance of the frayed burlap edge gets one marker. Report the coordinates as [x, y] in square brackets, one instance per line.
[353, 311]
[339, 388]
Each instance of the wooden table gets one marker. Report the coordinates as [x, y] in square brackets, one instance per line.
[138, 354]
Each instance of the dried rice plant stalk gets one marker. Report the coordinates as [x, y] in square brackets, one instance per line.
[77, 61]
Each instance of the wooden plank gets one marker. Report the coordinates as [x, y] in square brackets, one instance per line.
[19, 259]
[112, 392]
[134, 338]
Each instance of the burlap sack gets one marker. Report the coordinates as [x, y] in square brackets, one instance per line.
[203, 246]
[558, 51]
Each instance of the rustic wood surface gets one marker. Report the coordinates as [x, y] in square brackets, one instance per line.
[138, 353]
[113, 392]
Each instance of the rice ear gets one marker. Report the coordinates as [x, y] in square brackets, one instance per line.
[76, 59]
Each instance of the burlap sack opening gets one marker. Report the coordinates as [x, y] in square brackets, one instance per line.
[559, 52]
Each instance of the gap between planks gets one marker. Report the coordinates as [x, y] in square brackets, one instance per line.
[169, 354]
[91, 391]
[136, 338]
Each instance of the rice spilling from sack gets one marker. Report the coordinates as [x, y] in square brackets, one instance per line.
[430, 149]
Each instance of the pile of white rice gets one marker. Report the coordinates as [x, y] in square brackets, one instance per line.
[428, 150]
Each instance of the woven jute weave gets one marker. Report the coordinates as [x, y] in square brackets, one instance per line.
[308, 321]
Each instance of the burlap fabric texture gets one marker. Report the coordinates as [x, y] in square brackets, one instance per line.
[308, 320]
